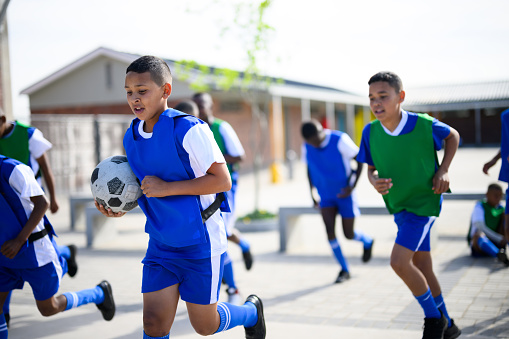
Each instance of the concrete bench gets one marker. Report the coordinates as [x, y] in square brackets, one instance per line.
[286, 213]
[96, 223]
[77, 203]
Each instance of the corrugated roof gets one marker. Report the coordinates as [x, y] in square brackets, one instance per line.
[458, 93]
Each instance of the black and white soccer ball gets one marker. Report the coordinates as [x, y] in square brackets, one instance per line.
[114, 184]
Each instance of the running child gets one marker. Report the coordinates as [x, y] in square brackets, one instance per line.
[400, 150]
[328, 155]
[28, 251]
[181, 170]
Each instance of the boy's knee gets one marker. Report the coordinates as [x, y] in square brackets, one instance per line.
[349, 235]
[204, 329]
[47, 310]
[152, 325]
[398, 265]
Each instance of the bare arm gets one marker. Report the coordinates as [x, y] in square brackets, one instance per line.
[50, 181]
[233, 160]
[312, 189]
[441, 177]
[11, 247]
[492, 162]
[217, 179]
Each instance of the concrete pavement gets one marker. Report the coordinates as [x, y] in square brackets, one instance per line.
[296, 287]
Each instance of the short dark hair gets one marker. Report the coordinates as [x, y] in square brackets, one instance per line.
[158, 68]
[310, 128]
[187, 106]
[391, 78]
[495, 187]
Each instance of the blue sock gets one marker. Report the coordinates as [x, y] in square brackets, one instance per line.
[232, 315]
[366, 240]
[487, 246]
[244, 245]
[65, 252]
[334, 244]
[428, 305]
[7, 303]
[439, 301]
[76, 299]
[228, 271]
[146, 336]
[3, 327]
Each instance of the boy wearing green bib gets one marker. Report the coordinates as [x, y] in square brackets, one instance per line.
[400, 150]
[486, 233]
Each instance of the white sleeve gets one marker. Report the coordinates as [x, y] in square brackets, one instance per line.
[231, 140]
[22, 180]
[478, 213]
[203, 151]
[38, 145]
[347, 147]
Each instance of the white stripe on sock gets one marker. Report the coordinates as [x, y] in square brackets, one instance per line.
[228, 316]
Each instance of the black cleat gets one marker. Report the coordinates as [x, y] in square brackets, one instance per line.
[452, 332]
[434, 328]
[248, 259]
[258, 331]
[502, 257]
[342, 276]
[72, 265]
[366, 256]
[7, 319]
[107, 307]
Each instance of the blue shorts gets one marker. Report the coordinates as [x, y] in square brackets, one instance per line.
[413, 231]
[347, 207]
[199, 279]
[44, 280]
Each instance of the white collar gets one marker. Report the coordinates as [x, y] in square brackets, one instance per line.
[142, 133]
[402, 123]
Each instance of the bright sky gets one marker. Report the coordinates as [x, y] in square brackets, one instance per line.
[327, 42]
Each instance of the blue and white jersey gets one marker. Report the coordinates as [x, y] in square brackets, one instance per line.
[504, 147]
[406, 125]
[196, 150]
[20, 182]
[329, 165]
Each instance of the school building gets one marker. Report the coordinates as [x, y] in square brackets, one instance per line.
[82, 110]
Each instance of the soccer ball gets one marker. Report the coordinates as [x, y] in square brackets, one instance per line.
[114, 184]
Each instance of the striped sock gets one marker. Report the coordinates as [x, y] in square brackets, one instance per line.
[232, 315]
[336, 249]
[366, 240]
[439, 301]
[428, 305]
[76, 299]
[244, 245]
[487, 246]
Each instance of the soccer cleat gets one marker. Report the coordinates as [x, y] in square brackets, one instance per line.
[107, 307]
[452, 332]
[248, 259]
[366, 256]
[342, 276]
[72, 265]
[434, 328]
[258, 331]
[233, 296]
[502, 257]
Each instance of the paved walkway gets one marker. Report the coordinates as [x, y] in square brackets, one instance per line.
[296, 287]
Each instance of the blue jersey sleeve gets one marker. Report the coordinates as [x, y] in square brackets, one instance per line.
[364, 154]
[440, 132]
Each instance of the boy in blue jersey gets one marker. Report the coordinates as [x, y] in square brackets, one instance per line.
[181, 170]
[486, 232]
[400, 150]
[503, 154]
[328, 155]
[28, 145]
[28, 251]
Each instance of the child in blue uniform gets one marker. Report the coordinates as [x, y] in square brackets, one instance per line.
[328, 154]
[486, 232]
[28, 145]
[400, 150]
[503, 154]
[28, 252]
[181, 170]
